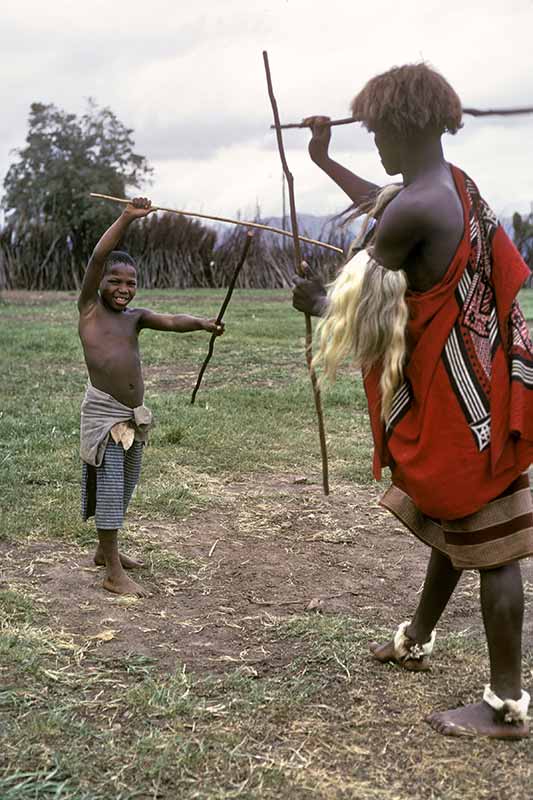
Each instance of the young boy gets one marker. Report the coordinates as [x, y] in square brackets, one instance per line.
[457, 433]
[114, 421]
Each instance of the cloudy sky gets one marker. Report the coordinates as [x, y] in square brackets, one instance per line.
[188, 78]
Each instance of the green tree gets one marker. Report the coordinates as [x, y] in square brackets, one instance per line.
[46, 189]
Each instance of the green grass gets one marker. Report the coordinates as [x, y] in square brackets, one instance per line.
[254, 411]
[253, 415]
[314, 720]
[15, 607]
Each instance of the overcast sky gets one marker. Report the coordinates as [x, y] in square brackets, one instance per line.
[188, 78]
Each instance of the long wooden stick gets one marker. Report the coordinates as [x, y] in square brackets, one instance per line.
[473, 112]
[300, 270]
[498, 112]
[249, 237]
[124, 201]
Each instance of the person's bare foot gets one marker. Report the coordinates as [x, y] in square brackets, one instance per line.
[121, 584]
[386, 653]
[126, 561]
[477, 719]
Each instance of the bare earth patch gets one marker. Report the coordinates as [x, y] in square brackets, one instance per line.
[264, 548]
[247, 588]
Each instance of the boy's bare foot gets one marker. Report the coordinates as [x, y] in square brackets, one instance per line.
[477, 719]
[121, 584]
[386, 653]
[126, 561]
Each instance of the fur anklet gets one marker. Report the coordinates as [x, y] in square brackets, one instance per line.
[514, 711]
[405, 648]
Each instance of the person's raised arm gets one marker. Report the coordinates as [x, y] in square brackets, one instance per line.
[357, 189]
[139, 207]
[309, 294]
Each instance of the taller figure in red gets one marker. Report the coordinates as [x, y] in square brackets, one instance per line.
[427, 308]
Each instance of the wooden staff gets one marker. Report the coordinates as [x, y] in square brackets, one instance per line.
[223, 307]
[474, 112]
[300, 269]
[124, 201]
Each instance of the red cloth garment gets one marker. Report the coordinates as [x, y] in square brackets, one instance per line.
[461, 425]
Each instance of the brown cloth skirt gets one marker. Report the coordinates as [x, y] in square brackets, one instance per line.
[500, 532]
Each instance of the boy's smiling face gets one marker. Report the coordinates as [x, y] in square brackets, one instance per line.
[118, 286]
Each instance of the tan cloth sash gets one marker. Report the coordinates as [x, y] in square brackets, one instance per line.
[101, 415]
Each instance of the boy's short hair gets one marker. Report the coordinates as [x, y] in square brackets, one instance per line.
[408, 100]
[119, 257]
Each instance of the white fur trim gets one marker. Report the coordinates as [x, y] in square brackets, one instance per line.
[405, 648]
[514, 711]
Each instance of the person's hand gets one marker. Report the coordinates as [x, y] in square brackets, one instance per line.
[319, 144]
[212, 326]
[139, 207]
[309, 296]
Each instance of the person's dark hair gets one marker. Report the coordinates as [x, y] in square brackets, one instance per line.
[119, 257]
[409, 100]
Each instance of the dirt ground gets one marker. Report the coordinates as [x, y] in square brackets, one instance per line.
[264, 548]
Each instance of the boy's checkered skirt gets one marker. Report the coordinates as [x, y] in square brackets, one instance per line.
[106, 490]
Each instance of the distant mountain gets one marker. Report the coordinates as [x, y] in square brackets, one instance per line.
[308, 225]
[322, 228]
[507, 225]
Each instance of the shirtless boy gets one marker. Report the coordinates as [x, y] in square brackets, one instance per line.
[457, 435]
[114, 421]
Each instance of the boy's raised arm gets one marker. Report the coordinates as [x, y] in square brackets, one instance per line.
[139, 207]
